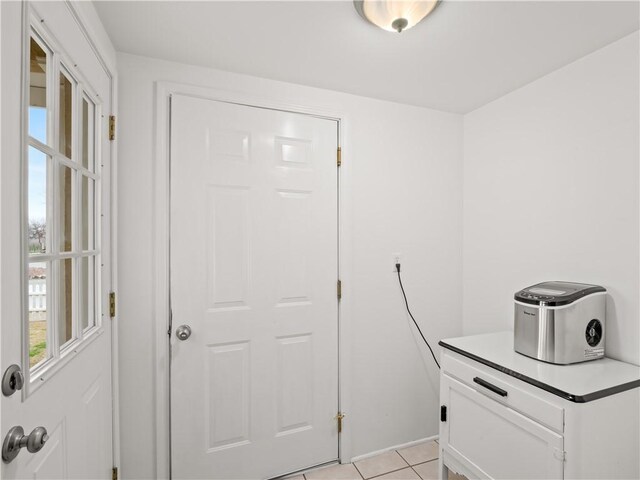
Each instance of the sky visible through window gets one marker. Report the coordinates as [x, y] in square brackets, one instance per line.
[37, 166]
[37, 210]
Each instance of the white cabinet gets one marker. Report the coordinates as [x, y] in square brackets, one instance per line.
[506, 416]
[497, 440]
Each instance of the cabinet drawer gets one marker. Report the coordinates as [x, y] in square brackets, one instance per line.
[506, 391]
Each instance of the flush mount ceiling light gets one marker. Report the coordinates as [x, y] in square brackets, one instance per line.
[395, 15]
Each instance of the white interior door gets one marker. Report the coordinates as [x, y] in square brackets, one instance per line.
[54, 258]
[253, 274]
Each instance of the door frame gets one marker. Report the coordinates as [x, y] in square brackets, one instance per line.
[160, 289]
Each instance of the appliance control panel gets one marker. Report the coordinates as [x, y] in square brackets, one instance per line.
[556, 293]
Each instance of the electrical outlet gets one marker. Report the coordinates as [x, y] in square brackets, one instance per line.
[397, 258]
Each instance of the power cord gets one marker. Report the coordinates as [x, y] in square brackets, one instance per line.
[406, 302]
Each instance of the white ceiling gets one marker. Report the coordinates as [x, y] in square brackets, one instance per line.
[462, 56]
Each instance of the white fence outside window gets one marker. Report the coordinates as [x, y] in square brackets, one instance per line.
[37, 299]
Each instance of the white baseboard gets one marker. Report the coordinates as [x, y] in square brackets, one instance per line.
[395, 447]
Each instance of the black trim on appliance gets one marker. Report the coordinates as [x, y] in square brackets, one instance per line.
[443, 413]
[589, 397]
[490, 386]
[576, 292]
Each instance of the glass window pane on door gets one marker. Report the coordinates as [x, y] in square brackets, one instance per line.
[37, 313]
[65, 114]
[87, 292]
[87, 214]
[37, 92]
[65, 215]
[87, 153]
[61, 206]
[37, 201]
[65, 300]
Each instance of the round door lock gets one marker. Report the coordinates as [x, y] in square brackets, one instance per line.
[12, 380]
[183, 332]
[16, 440]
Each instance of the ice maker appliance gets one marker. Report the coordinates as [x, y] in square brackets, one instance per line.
[560, 322]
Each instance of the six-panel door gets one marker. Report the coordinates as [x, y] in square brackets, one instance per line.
[254, 389]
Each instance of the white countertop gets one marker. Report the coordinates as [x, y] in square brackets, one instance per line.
[579, 379]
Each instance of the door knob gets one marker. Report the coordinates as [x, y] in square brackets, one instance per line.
[183, 332]
[16, 440]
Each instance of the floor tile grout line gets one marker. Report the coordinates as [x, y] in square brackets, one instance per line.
[385, 473]
[422, 463]
[413, 467]
[403, 459]
[357, 470]
[398, 452]
[424, 443]
[414, 471]
[408, 465]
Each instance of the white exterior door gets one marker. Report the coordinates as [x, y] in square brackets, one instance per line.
[254, 389]
[55, 251]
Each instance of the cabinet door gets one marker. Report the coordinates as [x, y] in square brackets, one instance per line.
[494, 440]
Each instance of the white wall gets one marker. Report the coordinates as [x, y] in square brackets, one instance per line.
[551, 193]
[405, 195]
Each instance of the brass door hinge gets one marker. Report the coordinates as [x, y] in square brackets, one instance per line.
[114, 473]
[560, 454]
[112, 304]
[339, 289]
[112, 127]
[339, 157]
[339, 418]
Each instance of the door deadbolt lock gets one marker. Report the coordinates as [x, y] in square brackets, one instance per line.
[12, 380]
[183, 332]
[16, 440]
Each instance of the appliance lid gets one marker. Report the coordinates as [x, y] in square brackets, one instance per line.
[554, 294]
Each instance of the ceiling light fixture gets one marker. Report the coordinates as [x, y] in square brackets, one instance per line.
[395, 15]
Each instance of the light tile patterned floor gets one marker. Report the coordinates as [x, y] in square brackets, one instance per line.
[419, 462]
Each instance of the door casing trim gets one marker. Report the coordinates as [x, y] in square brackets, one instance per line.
[160, 248]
